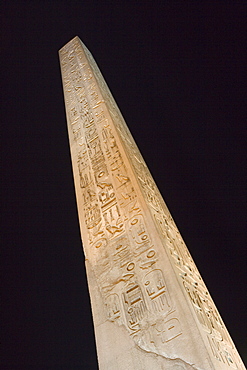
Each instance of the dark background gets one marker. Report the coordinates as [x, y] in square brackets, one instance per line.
[176, 70]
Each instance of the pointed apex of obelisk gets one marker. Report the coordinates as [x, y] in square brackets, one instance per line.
[75, 40]
[70, 42]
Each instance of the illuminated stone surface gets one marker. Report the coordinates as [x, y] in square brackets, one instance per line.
[151, 308]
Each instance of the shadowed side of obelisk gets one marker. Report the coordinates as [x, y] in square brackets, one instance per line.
[150, 306]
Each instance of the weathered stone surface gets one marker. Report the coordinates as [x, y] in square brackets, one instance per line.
[150, 306]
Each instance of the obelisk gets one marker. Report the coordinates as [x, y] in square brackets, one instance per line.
[151, 308]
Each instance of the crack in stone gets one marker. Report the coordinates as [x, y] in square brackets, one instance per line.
[178, 362]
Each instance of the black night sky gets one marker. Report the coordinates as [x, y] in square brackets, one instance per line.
[176, 70]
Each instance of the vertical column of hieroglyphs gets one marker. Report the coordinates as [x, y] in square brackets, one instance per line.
[116, 238]
[116, 235]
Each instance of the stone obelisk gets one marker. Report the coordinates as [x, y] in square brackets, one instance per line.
[151, 308]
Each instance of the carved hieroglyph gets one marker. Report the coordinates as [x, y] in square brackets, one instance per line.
[151, 308]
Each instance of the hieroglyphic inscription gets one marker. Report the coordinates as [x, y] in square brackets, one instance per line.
[222, 347]
[119, 244]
